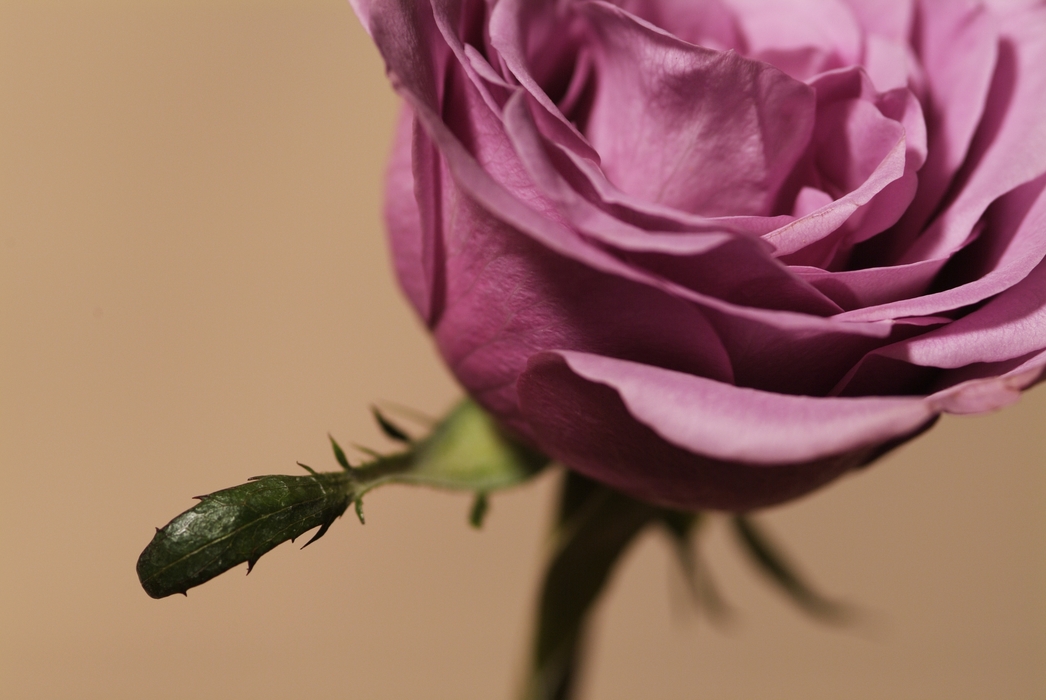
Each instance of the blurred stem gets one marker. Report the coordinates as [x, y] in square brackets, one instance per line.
[594, 526]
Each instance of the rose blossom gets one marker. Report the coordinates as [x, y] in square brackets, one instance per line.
[715, 253]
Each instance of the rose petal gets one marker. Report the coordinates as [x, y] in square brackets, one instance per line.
[801, 37]
[1010, 325]
[990, 393]
[867, 149]
[856, 289]
[403, 220]
[708, 23]
[746, 425]
[509, 297]
[703, 131]
[737, 269]
[693, 443]
[1017, 244]
[1010, 146]
[499, 183]
[890, 20]
[510, 23]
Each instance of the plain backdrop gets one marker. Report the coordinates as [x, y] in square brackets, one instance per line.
[194, 289]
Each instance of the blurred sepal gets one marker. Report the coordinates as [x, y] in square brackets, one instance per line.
[594, 527]
[770, 560]
[465, 451]
[683, 530]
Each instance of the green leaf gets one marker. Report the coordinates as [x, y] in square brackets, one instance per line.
[466, 451]
[237, 525]
[771, 561]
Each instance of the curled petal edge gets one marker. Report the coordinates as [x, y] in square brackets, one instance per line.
[688, 442]
[589, 422]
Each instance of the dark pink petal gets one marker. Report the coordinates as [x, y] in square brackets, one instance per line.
[492, 87]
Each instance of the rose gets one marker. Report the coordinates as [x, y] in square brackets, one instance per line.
[715, 253]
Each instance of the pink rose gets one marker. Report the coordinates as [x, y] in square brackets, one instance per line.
[715, 253]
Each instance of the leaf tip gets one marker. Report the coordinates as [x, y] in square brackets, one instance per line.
[391, 430]
[339, 454]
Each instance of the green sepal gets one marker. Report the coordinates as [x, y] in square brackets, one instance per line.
[480, 506]
[391, 430]
[469, 451]
[339, 454]
[772, 562]
[466, 451]
[683, 529]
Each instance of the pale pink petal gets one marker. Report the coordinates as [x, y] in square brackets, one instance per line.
[1011, 325]
[694, 443]
[1010, 146]
[891, 20]
[512, 27]
[801, 37]
[403, 220]
[691, 128]
[747, 425]
[708, 23]
[990, 393]
[1016, 245]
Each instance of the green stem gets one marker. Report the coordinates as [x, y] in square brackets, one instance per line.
[594, 526]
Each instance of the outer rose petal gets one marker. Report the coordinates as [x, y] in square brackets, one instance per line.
[403, 220]
[689, 442]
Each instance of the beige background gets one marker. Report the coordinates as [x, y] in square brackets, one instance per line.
[195, 289]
